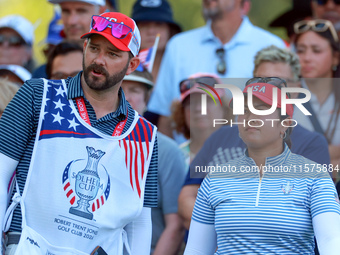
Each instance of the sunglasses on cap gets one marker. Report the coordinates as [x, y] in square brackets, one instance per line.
[13, 41]
[323, 2]
[318, 25]
[118, 30]
[187, 84]
[276, 81]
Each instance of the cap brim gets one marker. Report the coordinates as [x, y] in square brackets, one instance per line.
[116, 42]
[290, 108]
[143, 80]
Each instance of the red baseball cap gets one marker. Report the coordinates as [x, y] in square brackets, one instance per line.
[119, 29]
[264, 92]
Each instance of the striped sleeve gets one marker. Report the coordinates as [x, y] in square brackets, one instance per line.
[324, 197]
[203, 211]
[19, 121]
[151, 188]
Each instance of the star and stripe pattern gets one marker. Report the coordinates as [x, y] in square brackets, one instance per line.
[70, 194]
[59, 117]
[137, 152]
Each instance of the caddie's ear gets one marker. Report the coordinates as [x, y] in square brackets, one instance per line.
[86, 42]
[133, 64]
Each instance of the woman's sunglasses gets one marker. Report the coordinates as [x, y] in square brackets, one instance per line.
[318, 25]
[276, 81]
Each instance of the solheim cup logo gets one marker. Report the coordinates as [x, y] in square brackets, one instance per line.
[87, 184]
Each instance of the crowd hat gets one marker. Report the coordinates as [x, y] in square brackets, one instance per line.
[200, 83]
[301, 9]
[119, 29]
[133, 77]
[20, 25]
[18, 71]
[264, 92]
[93, 2]
[154, 10]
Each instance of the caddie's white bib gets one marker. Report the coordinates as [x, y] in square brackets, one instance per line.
[83, 187]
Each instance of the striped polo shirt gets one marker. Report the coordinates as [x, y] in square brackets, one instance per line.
[268, 215]
[19, 123]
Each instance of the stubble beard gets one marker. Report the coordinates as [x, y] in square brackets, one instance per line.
[94, 82]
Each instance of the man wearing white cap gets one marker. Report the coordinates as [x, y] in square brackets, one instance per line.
[76, 15]
[14, 73]
[16, 40]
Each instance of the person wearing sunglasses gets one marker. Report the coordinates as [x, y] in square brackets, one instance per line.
[225, 144]
[16, 41]
[328, 10]
[227, 41]
[252, 208]
[85, 161]
[317, 45]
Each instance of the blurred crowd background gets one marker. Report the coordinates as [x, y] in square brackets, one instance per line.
[187, 13]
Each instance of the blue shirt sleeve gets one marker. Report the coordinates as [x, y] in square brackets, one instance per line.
[166, 89]
[203, 211]
[323, 196]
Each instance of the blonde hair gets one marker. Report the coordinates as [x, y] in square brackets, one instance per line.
[7, 91]
[273, 54]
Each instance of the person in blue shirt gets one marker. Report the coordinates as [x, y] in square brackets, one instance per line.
[225, 144]
[270, 200]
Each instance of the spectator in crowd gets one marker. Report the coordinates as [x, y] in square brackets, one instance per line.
[327, 9]
[317, 45]
[51, 129]
[252, 209]
[225, 144]
[52, 39]
[155, 17]
[167, 230]
[7, 92]
[76, 16]
[16, 42]
[14, 73]
[187, 112]
[64, 61]
[225, 43]
[76, 19]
